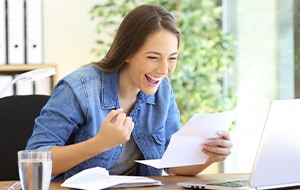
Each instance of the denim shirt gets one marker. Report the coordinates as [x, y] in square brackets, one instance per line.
[82, 100]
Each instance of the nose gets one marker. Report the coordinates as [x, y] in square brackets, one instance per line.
[163, 67]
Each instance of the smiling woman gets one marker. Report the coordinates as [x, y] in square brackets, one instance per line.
[121, 108]
[205, 56]
[151, 63]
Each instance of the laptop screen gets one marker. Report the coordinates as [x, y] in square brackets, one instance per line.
[278, 158]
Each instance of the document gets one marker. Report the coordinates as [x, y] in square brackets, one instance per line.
[185, 145]
[99, 178]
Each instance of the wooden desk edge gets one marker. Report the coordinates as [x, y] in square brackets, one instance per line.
[169, 182]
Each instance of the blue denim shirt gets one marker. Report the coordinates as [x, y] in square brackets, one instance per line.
[82, 100]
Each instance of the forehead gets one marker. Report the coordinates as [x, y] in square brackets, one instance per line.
[162, 41]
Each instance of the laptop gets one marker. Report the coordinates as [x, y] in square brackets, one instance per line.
[277, 162]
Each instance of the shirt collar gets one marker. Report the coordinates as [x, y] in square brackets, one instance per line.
[109, 93]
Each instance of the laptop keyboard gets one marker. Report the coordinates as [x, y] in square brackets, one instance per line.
[235, 183]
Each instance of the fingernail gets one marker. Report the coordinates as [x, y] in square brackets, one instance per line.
[208, 141]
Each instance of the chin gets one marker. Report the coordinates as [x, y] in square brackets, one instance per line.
[149, 91]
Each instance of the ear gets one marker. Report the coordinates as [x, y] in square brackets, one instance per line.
[127, 60]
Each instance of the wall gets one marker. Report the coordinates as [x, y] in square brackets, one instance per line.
[69, 34]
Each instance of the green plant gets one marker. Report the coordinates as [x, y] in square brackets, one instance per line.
[206, 53]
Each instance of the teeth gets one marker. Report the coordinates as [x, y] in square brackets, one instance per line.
[154, 78]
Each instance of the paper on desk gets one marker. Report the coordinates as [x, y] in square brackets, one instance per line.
[185, 145]
[98, 178]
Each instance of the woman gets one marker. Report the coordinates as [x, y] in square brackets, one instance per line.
[121, 108]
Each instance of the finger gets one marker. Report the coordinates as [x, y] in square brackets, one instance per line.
[127, 128]
[128, 122]
[112, 114]
[120, 119]
[224, 134]
[216, 150]
[215, 157]
[131, 127]
[219, 143]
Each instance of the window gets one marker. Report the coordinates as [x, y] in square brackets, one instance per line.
[266, 68]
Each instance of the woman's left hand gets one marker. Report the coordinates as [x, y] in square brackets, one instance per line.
[218, 149]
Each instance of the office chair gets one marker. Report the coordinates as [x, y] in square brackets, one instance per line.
[17, 115]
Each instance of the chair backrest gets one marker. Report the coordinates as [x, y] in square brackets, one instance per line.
[17, 115]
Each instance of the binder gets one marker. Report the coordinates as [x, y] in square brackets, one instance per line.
[6, 79]
[16, 31]
[2, 32]
[34, 32]
[43, 86]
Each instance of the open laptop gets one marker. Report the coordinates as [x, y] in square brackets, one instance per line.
[277, 162]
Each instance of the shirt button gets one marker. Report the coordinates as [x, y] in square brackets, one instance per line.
[138, 137]
[121, 145]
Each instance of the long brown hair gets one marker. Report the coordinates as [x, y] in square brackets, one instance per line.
[132, 33]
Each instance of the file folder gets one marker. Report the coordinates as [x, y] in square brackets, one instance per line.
[2, 32]
[6, 79]
[43, 86]
[34, 32]
[16, 31]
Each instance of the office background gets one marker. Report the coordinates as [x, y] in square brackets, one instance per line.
[264, 68]
[69, 34]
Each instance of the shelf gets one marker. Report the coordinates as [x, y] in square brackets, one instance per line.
[18, 69]
[22, 68]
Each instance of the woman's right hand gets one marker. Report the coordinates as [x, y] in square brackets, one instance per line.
[115, 129]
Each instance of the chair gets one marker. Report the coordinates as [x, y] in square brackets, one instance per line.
[17, 115]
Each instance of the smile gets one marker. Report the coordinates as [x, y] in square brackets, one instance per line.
[153, 80]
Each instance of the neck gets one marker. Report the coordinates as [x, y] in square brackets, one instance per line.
[127, 90]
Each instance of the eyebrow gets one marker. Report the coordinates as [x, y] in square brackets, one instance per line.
[157, 53]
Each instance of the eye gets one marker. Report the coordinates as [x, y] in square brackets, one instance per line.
[173, 58]
[152, 57]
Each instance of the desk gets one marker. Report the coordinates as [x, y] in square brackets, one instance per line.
[168, 181]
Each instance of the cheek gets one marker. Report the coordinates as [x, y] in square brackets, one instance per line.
[171, 68]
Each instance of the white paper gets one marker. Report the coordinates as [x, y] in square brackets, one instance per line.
[99, 178]
[185, 145]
